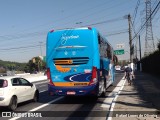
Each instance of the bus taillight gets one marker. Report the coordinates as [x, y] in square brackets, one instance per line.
[49, 76]
[89, 28]
[51, 31]
[94, 76]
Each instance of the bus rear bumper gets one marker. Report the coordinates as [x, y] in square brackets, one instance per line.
[72, 91]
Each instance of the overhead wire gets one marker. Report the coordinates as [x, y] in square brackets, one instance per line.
[18, 36]
[142, 27]
[102, 10]
[21, 47]
[133, 22]
[135, 11]
[106, 21]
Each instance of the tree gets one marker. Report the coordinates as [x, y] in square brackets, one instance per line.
[158, 45]
[36, 64]
[7, 65]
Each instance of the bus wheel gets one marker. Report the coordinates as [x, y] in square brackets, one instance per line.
[94, 98]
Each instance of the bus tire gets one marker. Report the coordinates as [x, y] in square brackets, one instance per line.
[94, 98]
[104, 91]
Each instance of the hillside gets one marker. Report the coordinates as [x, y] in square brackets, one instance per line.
[7, 65]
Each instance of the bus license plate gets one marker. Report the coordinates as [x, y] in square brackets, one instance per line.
[71, 93]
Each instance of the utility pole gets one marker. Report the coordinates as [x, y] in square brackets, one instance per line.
[40, 61]
[140, 48]
[40, 47]
[140, 53]
[130, 38]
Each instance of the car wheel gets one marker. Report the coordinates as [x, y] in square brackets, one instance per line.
[36, 97]
[13, 103]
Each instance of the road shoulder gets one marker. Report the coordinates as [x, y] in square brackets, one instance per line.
[139, 101]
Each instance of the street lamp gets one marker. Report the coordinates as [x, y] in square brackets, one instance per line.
[130, 36]
[40, 61]
[41, 47]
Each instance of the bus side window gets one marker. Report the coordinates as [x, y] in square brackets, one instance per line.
[99, 40]
[108, 51]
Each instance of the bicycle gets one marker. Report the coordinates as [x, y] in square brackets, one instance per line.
[129, 78]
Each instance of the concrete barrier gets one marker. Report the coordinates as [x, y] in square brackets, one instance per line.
[33, 77]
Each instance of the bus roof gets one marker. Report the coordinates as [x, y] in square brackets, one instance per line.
[82, 28]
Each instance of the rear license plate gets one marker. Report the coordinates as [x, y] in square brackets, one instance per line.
[71, 93]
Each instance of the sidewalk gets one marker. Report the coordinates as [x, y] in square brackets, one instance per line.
[141, 101]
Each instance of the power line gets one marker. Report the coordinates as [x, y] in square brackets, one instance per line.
[106, 21]
[142, 27]
[135, 12]
[22, 47]
[103, 10]
[117, 33]
[18, 36]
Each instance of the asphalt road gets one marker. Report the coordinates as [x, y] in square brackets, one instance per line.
[67, 108]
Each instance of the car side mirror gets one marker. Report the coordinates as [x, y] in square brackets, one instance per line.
[31, 84]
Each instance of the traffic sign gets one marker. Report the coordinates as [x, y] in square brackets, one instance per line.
[120, 46]
[119, 52]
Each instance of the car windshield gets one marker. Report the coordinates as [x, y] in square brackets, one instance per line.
[1, 82]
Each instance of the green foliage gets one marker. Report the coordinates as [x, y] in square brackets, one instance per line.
[7, 65]
[158, 45]
[2, 70]
[150, 63]
[35, 65]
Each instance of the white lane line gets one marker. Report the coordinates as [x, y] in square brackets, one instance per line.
[37, 108]
[112, 95]
[42, 91]
[37, 83]
[42, 85]
[116, 96]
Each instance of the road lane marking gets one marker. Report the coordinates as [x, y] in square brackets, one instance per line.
[43, 91]
[37, 83]
[122, 82]
[40, 107]
[42, 85]
[112, 95]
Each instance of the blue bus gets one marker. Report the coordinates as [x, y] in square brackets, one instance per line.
[79, 62]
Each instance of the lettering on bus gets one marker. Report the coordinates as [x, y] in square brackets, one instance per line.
[64, 38]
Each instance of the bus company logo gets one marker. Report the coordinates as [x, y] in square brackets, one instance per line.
[64, 38]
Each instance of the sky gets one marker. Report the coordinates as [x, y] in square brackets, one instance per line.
[24, 24]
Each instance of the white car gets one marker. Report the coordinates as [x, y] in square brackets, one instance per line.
[117, 67]
[14, 90]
